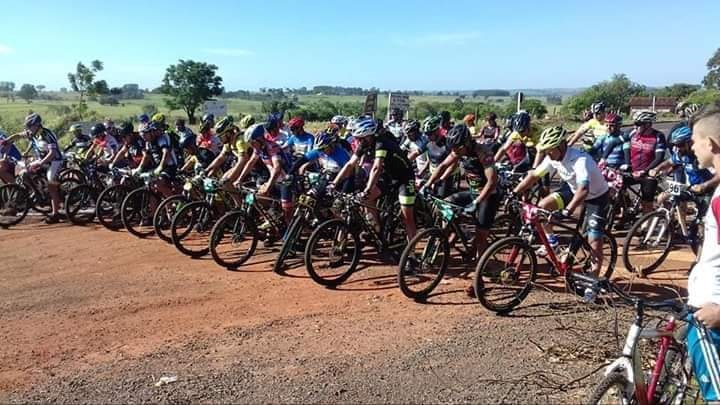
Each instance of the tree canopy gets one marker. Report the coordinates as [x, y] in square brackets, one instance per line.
[189, 84]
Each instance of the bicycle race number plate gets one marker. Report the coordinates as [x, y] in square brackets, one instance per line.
[675, 188]
[307, 201]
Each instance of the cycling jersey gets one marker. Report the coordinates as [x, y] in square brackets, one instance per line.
[576, 168]
[9, 151]
[592, 130]
[645, 148]
[436, 152]
[419, 146]
[108, 145]
[612, 148]
[135, 150]
[43, 142]
[202, 159]
[280, 139]
[693, 172]
[489, 134]
[237, 148]
[271, 150]
[517, 152]
[155, 149]
[330, 162]
[480, 157]
[397, 165]
[209, 141]
[299, 145]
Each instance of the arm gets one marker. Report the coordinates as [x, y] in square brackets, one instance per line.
[491, 175]
[237, 168]
[582, 177]
[248, 167]
[579, 197]
[708, 185]
[217, 162]
[659, 157]
[275, 172]
[578, 134]
[375, 172]
[664, 167]
[449, 162]
[346, 170]
[500, 155]
[120, 155]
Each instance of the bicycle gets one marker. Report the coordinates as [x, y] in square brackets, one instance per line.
[624, 205]
[139, 205]
[650, 239]
[337, 242]
[425, 260]
[508, 260]
[628, 380]
[81, 200]
[169, 207]
[109, 201]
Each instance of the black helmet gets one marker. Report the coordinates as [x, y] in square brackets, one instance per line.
[126, 128]
[97, 129]
[187, 141]
[208, 118]
[521, 121]
[457, 136]
[412, 126]
[598, 107]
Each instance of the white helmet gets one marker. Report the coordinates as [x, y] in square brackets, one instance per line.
[365, 128]
[645, 116]
[339, 120]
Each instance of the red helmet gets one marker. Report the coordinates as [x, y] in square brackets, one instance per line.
[296, 122]
[613, 118]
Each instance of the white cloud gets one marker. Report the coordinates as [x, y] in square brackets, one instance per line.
[229, 51]
[4, 49]
[448, 38]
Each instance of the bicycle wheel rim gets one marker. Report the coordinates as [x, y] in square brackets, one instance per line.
[233, 240]
[80, 205]
[107, 208]
[14, 204]
[504, 274]
[332, 253]
[191, 229]
[648, 243]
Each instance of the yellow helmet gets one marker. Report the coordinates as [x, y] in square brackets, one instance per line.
[158, 118]
[551, 138]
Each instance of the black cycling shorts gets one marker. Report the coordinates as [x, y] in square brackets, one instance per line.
[648, 187]
[595, 210]
[486, 211]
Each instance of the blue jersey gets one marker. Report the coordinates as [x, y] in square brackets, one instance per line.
[299, 145]
[332, 162]
[695, 175]
[9, 151]
[612, 148]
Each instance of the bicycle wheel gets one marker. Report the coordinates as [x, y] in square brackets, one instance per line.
[648, 242]
[505, 273]
[504, 226]
[14, 204]
[583, 262]
[233, 240]
[164, 214]
[292, 236]
[39, 196]
[137, 210]
[191, 227]
[423, 263]
[332, 253]
[80, 204]
[107, 207]
[613, 389]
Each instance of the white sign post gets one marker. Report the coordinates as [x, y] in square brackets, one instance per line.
[218, 108]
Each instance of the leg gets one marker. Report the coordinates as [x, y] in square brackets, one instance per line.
[7, 172]
[407, 206]
[595, 214]
[54, 188]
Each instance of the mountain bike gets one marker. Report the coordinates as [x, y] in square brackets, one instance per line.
[138, 207]
[167, 209]
[81, 200]
[109, 201]
[651, 238]
[507, 270]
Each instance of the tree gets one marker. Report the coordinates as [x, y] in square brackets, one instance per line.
[40, 88]
[189, 84]
[677, 90]
[6, 89]
[83, 80]
[712, 79]
[704, 97]
[533, 106]
[27, 92]
[616, 94]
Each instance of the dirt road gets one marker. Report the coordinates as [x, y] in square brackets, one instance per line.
[95, 316]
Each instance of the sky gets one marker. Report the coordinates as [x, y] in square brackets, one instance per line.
[394, 45]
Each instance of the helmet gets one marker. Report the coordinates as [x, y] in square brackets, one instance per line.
[431, 123]
[551, 137]
[207, 118]
[223, 125]
[597, 107]
[509, 121]
[324, 139]
[613, 118]
[143, 118]
[469, 119]
[296, 122]
[681, 135]
[254, 132]
[273, 122]
[32, 120]
[246, 121]
[521, 121]
[97, 129]
[445, 115]
[680, 107]
[158, 118]
[126, 128]
[412, 126]
[457, 136]
[339, 120]
[352, 124]
[691, 110]
[148, 128]
[644, 116]
[365, 128]
[75, 129]
[188, 140]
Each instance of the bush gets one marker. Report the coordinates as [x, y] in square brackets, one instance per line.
[149, 109]
[704, 97]
[108, 100]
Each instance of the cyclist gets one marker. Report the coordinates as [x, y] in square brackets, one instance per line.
[390, 166]
[207, 139]
[104, 145]
[131, 151]
[583, 185]
[332, 155]
[520, 145]
[395, 125]
[45, 148]
[80, 142]
[490, 132]
[647, 150]
[415, 145]
[469, 120]
[158, 155]
[195, 157]
[277, 163]
[159, 120]
[482, 199]
[592, 129]
[341, 122]
[437, 150]
[300, 142]
[234, 146]
[613, 149]
[703, 338]
[9, 156]
[143, 120]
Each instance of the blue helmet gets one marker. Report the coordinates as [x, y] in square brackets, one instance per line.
[255, 132]
[143, 118]
[273, 121]
[681, 135]
[188, 140]
[324, 139]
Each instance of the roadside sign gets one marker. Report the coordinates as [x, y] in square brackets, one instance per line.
[399, 101]
[218, 108]
[370, 103]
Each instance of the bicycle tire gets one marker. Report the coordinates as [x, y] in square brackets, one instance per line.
[507, 272]
[291, 238]
[236, 223]
[13, 197]
[614, 380]
[323, 231]
[164, 214]
[201, 216]
[135, 212]
[637, 230]
[107, 207]
[409, 257]
[81, 198]
[504, 226]
[609, 248]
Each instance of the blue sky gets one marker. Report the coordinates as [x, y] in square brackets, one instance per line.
[387, 44]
